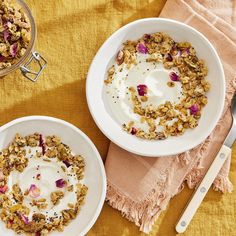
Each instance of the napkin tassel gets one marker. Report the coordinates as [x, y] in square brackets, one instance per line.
[143, 213]
[222, 184]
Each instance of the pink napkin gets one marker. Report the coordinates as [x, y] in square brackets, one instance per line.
[141, 187]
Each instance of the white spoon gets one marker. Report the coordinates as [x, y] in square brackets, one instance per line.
[210, 176]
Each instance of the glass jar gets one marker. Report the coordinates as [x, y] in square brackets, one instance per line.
[30, 57]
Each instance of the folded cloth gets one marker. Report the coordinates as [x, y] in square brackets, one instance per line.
[141, 187]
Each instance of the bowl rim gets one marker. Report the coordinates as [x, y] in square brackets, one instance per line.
[119, 142]
[87, 139]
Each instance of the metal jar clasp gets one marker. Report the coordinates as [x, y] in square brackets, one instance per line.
[37, 61]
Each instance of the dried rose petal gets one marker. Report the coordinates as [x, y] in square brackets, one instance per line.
[142, 48]
[66, 163]
[169, 57]
[142, 89]
[42, 144]
[174, 76]
[11, 222]
[2, 58]
[120, 57]
[41, 140]
[60, 183]
[13, 49]
[24, 218]
[38, 234]
[185, 52]
[7, 24]
[6, 35]
[175, 51]
[3, 189]
[146, 37]
[133, 131]
[194, 109]
[178, 54]
[34, 191]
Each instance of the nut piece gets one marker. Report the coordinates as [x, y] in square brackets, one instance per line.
[38, 217]
[56, 196]
[171, 84]
[17, 194]
[110, 73]
[40, 204]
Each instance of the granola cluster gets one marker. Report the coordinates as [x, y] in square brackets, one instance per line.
[185, 68]
[14, 211]
[14, 33]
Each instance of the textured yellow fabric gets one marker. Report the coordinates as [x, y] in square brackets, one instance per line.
[69, 34]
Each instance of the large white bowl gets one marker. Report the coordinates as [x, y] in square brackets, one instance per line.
[94, 176]
[102, 113]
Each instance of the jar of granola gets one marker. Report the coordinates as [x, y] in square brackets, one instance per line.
[17, 38]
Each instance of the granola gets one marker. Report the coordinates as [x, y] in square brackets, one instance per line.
[155, 117]
[15, 33]
[56, 196]
[34, 208]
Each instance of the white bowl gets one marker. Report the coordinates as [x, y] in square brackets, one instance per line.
[107, 122]
[94, 176]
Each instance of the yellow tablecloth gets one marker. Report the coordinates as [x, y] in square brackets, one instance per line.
[69, 34]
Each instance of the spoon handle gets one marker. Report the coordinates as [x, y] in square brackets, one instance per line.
[202, 189]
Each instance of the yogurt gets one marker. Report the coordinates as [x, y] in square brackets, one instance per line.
[50, 170]
[153, 75]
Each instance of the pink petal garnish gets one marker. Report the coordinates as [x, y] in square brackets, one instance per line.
[34, 191]
[169, 57]
[66, 163]
[7, 24]
[142, 48]
[24, 218]
[6, 34]
[133, 131]
[178, 54]
[3, 189]
[13, 49]
[60, 183]
[11, 222]
[175, 51]
[194, 109]
[174, 76]
[142, 89]
[185, 52]
[42, 144]
[146, 37]
[2, 58]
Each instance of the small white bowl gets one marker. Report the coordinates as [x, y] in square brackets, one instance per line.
[94, 177]
[107, 122]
